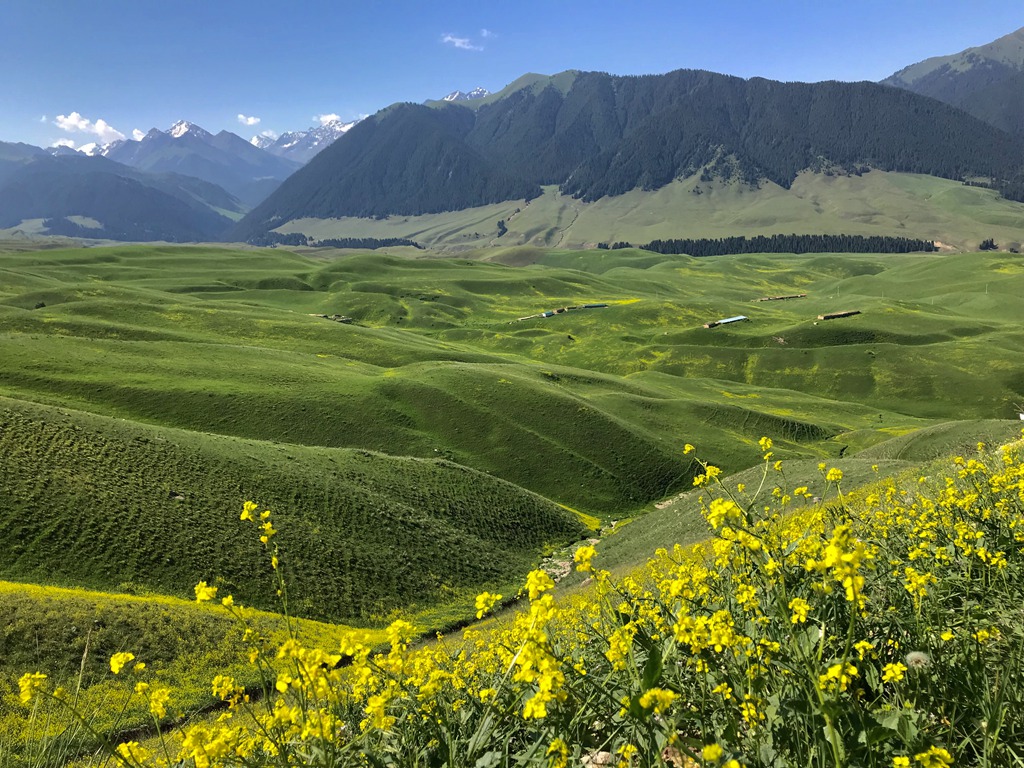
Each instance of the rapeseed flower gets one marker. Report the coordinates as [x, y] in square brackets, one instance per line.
[119, 660]
[935, 757]
[204, 592]
[485, 601]
[29, 685]
[893, 673]
[657, 699]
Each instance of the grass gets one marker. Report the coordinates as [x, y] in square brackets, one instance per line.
[159, 387]
[70, 635]
[432, 449]
[817, 634]
[126, 507]
[877, 203]
[587, 408]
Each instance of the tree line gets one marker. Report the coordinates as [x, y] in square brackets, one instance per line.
[293, 239]
[790, 244]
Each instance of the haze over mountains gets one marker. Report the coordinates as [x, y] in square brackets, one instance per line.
[585, 136]
[95, 197]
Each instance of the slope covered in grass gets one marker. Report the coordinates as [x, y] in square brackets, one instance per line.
[110, 504]
[222, 341]
[70, 635]
[875, 203]
[586, 407]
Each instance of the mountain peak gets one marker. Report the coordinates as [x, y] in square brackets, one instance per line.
[183, 127]
[476, 93]
[301, 146]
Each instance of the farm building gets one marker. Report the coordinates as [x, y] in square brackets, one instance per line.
[727, 321]
[783, 298]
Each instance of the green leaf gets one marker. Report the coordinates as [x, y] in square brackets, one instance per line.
[652, 669]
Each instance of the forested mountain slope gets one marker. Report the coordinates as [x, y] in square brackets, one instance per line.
[596, 135]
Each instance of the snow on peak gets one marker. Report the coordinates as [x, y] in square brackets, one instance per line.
[261, 142]
[476, 93]
[183, 127]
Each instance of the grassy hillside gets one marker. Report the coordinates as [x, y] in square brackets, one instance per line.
[679, 520]
[149, 391]
[587, 407]
[70, 635]
[116, 505]
[221, 341]
[877, 203]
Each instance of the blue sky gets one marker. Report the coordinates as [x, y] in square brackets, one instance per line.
[147, 63]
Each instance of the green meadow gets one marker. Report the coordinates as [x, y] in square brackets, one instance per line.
[448, 438]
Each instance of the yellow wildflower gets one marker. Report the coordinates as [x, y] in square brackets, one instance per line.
[935, 757]
[657, 699]
[800, 608]
[626, 754]
[29, 685]
[893, 673]
[485, 601]
[134, 752]
[118, 660]
[712, 753]
[158, 702]
[558, 754]
[205, 592]
[537, 581]
[247, 509]
[583, 556]
[862, 647]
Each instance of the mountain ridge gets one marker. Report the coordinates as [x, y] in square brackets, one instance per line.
[595, 135]
[986, 81]
[121, 203]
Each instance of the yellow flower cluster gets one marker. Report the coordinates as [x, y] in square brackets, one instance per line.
[807, 634]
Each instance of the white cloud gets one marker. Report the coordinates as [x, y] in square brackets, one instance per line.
[325, 119]
[103, 130]
[485, 33]
[247, 120]
[463, 43]
[64, 143]
[43, 119]
[138, 135]
[269, 134]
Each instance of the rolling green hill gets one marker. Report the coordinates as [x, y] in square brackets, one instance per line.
[160, 387]
[127, 507]
[202, 340]
[70, 635]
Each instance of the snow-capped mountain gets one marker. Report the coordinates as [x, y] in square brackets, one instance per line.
[185, 128]
[302, 146]
[224, 159]
[476, 93]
